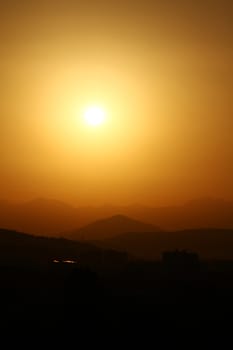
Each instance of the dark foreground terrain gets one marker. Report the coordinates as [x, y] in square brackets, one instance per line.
[46, 292]
[63, 300]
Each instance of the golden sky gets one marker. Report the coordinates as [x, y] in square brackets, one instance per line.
[162, 71]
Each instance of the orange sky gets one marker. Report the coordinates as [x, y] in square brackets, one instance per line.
[164, 75]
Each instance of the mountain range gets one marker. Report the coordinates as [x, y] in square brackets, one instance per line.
[110, 227]
[208, 243]
[51, 217]
[18, 247]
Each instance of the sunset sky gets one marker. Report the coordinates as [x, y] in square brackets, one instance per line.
[162, 73]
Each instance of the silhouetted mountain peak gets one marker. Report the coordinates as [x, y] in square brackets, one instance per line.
[112, 226]
[51, 217]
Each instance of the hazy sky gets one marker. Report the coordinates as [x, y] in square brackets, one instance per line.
[162, 70]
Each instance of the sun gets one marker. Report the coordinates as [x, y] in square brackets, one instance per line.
[94, 115]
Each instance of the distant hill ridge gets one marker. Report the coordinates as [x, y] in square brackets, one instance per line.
[209, 243]
[51, 217]
[21, 247]
[111, 227]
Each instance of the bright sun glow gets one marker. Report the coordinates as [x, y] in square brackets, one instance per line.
[94, 115]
